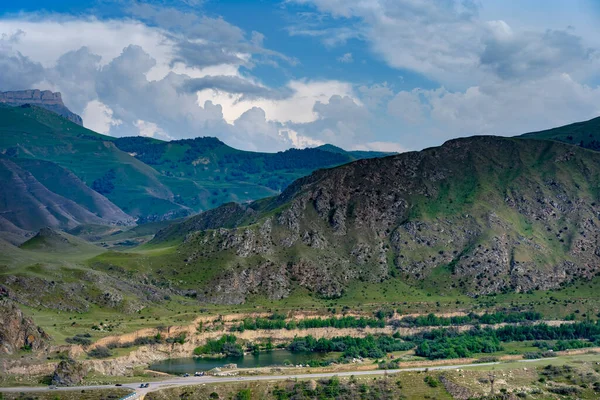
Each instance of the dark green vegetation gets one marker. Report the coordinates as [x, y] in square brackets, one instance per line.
[443, 343]
[226, 345]
[470, 319]
[146, 179]
[333, 388]
[450, 343]
[333, 322]
[370, 346]
[584, 134]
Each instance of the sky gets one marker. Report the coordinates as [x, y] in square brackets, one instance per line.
[268, 75]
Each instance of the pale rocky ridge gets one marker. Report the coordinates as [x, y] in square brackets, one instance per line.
[43, 98]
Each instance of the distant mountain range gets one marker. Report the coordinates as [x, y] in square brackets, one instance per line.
[62, 175]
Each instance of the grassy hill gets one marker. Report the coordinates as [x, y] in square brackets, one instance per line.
[48, 240]
[133, 186]
[145, 178]
[584, 134]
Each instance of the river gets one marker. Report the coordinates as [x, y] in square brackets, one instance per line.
[263, 359]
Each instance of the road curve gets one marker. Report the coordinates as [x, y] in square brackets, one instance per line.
[193, 380]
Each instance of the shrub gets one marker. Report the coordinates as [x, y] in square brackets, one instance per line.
[99, 352]
[431, 381]
[81, 338]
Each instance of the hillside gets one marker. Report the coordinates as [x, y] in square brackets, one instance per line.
[49, 240]
[41, 98]
[585, 134]
[141, 178]
[212, 162]
[30, 205]
[480, 215]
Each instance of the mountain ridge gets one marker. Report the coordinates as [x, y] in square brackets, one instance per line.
[496, 214]
[151, 180]
[42, 98]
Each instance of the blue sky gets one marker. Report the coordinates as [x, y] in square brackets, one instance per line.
[268, 75]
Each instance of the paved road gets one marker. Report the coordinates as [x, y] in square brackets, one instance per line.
[198, 380]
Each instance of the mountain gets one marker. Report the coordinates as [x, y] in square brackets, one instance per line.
[30, 205]
[45, 99]
[584, 134]
[139, 178]
[477, 216]
[354, 154]
[208, 160]
[49, 240]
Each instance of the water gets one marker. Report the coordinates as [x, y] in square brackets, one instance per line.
[263, 359]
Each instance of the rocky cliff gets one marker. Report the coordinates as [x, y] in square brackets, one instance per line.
[43, 98]
[18, 331]
[480, 215]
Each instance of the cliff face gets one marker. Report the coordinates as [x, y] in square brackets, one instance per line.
[480, 215]
[18, 331]
[42, 98]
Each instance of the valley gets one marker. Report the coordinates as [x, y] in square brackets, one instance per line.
[481, 251]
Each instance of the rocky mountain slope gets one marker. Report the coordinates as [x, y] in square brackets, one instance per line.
[41, 98]
[479, 215]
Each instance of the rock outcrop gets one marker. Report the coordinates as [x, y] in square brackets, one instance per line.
[18, 331]
[69, 373]
[488, 214]
[43, 98]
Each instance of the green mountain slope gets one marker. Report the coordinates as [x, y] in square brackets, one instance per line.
[48, 240]
[149, 179]
[133, 186]
[480, 215]
[63, 182]
[355, 154]
[29, 205]
[584, 134]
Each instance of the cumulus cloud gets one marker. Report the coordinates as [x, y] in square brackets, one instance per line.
[150, 129]
[408, 107]
[448, 42]
[503, 109]
[18, 71]
[98, 117]
[341, 121]
[236, 85]
[512, 55]
[140, 81]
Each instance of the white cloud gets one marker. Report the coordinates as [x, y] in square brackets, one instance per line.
[505, 109]
[297, 108]
[448, 42]
[150, 129]
[407, 106]
[99, 117]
